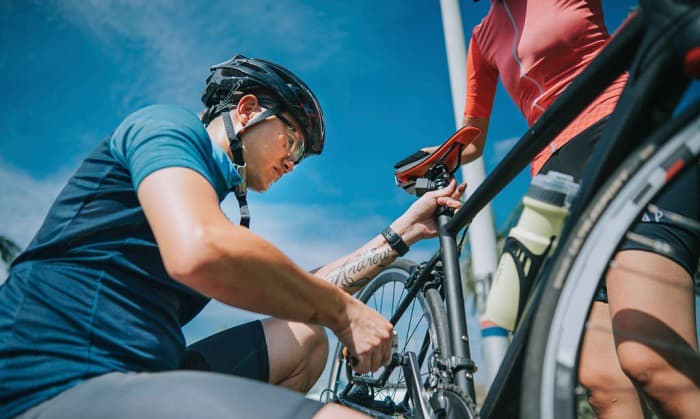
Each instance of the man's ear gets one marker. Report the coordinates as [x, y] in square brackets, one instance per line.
[247, 105]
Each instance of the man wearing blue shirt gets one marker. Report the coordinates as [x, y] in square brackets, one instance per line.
[136, 244]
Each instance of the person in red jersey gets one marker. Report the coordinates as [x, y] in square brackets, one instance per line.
[537, 48]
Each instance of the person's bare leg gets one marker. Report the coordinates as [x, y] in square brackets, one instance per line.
[297, 353]
[612, 394]
[653, 314]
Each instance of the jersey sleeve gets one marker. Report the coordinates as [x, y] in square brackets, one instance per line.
[482, 78]
[160, 136]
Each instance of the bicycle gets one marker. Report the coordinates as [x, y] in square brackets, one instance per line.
[645, 146]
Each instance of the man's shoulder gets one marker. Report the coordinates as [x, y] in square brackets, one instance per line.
[152, 127]
[165, 113]
[173, 120]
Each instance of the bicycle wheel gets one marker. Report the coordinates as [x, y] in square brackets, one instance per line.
[422, 329]
[550, 377]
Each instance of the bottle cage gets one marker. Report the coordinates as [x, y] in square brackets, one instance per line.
[410, 170]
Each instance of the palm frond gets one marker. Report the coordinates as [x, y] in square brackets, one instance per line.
[8, 250]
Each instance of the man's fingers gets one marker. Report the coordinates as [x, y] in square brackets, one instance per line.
[361, 363]
[459, 191]
[387, 354]
[378, 359]
[447, 190]
[450, 187]
[449, 202]
[367, 365]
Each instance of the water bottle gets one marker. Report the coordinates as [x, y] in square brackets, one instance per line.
[545, 206]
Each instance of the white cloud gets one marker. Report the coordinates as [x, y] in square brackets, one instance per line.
[178, 39]
[310, 235]
[25, 201]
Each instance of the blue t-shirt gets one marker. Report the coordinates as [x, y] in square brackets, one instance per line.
[90, 295]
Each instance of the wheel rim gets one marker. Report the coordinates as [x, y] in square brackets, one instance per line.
[412, 330]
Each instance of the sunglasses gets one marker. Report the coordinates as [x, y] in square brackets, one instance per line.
[295, 142]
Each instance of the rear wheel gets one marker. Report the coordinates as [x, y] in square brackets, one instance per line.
[422, 329]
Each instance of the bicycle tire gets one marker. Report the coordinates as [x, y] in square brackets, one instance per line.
[439, 321]
[434, 317]
[459, 404]
[549, 378]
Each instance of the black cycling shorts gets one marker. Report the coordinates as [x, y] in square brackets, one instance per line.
[572, 159]
[240, 351]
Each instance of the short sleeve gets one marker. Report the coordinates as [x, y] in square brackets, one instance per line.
[482, 79]
[163, 136]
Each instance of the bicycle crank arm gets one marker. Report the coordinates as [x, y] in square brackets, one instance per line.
[411, 369]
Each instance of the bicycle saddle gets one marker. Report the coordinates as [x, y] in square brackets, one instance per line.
[415, 166]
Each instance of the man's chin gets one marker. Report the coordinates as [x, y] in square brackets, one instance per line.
[259, 186]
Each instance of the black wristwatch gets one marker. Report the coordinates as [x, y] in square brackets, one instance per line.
[395, 241]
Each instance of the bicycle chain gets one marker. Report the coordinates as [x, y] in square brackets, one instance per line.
[471, 405]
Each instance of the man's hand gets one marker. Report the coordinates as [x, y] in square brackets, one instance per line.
[367, 336]
[418, 222]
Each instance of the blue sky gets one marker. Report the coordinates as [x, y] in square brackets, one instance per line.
[71, 70]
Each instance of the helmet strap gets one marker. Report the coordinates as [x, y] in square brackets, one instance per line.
[236, 147]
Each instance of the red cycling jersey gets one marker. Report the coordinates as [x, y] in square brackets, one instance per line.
[537, 47]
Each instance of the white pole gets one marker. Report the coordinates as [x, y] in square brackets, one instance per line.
[482, 234]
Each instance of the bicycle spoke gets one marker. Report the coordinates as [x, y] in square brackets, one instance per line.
[421, 374]
[393, 295]
[410, 321]
[414, 331]
[374, 297]
[403, 294]
[408, 337]
[381, 300]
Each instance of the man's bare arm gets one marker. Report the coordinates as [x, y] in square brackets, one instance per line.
[201, 248]
[354, 271]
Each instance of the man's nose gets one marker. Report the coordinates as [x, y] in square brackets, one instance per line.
[288, 165]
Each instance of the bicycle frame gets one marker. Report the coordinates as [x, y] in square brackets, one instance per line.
[641, 45]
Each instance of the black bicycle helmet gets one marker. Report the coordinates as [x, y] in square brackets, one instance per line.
[241, 75]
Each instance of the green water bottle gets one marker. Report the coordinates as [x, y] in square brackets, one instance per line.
[545, 207]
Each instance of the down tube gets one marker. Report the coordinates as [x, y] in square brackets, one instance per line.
[455, 304]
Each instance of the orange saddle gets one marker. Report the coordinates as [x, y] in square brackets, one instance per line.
[409, 170]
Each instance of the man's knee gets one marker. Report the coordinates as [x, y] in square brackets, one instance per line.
[312, 361]
[318, 340]
[297, 353]
[317, 345]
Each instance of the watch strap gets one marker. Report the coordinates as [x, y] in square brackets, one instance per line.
[395, 241]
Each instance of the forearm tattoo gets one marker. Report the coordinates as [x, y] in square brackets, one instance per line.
[353, 274]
